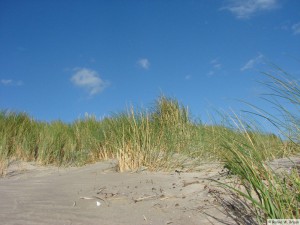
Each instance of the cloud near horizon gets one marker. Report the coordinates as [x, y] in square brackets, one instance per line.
[144, 63]
[89, 80]
[244, 9]
[252, 62]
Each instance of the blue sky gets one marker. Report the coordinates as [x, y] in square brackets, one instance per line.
[60, 59]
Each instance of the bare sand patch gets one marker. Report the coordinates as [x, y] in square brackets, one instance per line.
[97, 194]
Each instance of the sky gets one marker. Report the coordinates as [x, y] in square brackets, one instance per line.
[63, 59]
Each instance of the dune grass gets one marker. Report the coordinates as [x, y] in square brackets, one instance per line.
[163, 137]
[157, 139]
[272, 195]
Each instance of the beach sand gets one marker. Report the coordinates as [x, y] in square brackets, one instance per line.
[98, 194]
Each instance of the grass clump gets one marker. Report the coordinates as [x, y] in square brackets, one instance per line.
[140, 139]
[18, 133]
[271, 194]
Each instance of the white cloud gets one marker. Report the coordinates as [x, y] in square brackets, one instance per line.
[144, 63]
[188, 77]
[19, 83]
[10, 82]
[6, 82]
[216, 66]
[210, 73]
[296, 28]
[89, 80]
[244, 9]
[215, 63]
[252, 62]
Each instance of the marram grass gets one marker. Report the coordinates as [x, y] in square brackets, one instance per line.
[272, 195]
[136, 138]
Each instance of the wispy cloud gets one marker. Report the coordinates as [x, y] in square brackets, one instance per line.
[188, 77]
[216, 65]
[6, 82]
[289, 26]
[89, 80]
[144, 63]
[296, 28]
[244, 9]
[252, 62]
[10, 82]
[210, 73]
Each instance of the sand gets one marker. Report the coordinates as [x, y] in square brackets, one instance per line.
[98, 194]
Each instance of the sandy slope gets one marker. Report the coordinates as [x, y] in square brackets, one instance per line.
[32, 194]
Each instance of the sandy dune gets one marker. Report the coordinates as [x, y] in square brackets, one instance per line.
[97, 194]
